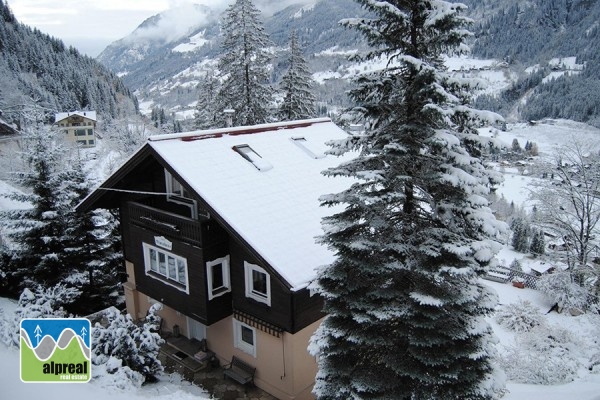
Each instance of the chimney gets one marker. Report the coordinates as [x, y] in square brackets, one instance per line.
[229, 117]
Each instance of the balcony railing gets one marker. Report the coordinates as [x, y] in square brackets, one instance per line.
[184, 229]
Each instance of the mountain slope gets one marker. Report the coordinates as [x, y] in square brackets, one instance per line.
[36, 69]
[166, 72]
[542, 34]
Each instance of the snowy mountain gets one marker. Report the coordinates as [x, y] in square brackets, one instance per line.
[524, 43]
[164, 69]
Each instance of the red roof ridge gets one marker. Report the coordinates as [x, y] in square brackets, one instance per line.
[238, 130]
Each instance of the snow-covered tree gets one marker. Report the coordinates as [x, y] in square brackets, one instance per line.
[244, 66]
[561, 288]
[538, 243]
[569, 205]
[297, 85]
[37, 303]
[91, 246]
[520, 317]
[35, 234]
[137, 346]
[404, 301]
[206, 109]
[521, 233]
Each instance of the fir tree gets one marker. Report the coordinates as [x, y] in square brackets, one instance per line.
[538, 243]
[404, 301]
[297, 85]
[206, 111]
[91, 246]
[136, 345]
[521, 234]
[244, 66]
[36, 248]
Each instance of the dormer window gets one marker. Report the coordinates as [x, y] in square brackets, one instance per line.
[177, 193]
[307, 148]
[252, 156]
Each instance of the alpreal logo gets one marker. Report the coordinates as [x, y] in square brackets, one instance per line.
[56, 350]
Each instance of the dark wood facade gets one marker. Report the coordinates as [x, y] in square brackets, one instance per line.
[145, 216]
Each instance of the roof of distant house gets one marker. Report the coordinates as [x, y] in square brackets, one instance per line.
[86, 114]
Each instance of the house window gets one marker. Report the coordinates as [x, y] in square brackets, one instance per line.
[244, 337]
[176, 193]
[258, 283]
[175, 188]
[250, 155]
[90, 132]
[217, 272]
[90, 142]
[81, 142]
[79, 132]
[166, 267]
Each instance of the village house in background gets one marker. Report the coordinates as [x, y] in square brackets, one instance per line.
[79, 127]
[220, 226]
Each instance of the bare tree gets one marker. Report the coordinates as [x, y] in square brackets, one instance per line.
[569, 204]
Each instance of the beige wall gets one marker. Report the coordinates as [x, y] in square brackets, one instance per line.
[284, 368]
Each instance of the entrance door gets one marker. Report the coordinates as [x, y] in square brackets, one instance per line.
[196, 329]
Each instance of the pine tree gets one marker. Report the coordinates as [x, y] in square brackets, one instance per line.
[36, 248]
[538, 243]
[244, 66]
[521, 234]
[206, 109]
[297, 84]
[92, 249]
[405, 306]
[136, 345]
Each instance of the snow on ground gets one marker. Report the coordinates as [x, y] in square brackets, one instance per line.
[550, 133]
[169, 387]
[195, 42]
[584, 328]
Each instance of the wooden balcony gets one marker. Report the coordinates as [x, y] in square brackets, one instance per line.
[163, 222]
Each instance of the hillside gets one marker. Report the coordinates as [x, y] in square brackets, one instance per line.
[164, 70]
[39, 70]
[535, 38]
[545, 51]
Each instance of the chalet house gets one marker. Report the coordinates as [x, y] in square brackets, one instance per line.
[79, 127]
[219, 226]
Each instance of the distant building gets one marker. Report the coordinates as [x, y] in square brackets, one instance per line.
[78, 126]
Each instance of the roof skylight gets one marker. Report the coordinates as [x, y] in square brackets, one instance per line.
[307, 148]
[250, 155]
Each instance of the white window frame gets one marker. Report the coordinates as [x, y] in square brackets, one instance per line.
[238, 341]
[165, 276]
[178, 197]
[255, 294]
[225, 270]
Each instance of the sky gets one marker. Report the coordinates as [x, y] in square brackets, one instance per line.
[91, 25]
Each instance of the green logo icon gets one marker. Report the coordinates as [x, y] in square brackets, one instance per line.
[56, 350]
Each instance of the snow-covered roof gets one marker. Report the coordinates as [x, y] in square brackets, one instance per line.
[85, 114]
[273, 203]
